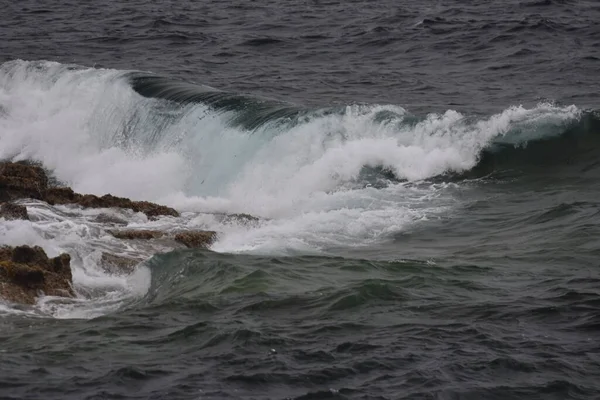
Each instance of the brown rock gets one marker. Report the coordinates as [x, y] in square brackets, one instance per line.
[196, 239]
[11, 211]
[26, 272]
[136, 234]
[61, 263]
[21, 180]
[30, 256]
[24, 275]
[118, 265]
[67, 196]
[61, 195]
[155, 210]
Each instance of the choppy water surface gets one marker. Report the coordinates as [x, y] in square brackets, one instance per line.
[426, 178]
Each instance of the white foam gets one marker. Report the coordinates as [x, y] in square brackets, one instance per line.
[74, 122]
[99, 136]
[73, 230]
[106, 294]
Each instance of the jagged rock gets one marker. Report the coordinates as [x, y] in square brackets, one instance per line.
[109, 219]
[61, 195]
[12, 211]
[240, 218]
[155, 210]
[196, 239]
[118, 265]
[26, 272]
[66, 195]
[136, 234]
[22, 180]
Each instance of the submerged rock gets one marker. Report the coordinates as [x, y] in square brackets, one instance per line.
[104, 218]
[22, 180]
[240, 218]
[137, 234]
[11, 211]
[26, 272]
[118, 265]
[196, 239]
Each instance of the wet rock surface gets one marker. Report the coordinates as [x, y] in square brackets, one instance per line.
[137, 234]
[118, 265]
[23, 180]
[191, 239]
[27, 272]
[12, 211]
[65, 195]
[196, 239]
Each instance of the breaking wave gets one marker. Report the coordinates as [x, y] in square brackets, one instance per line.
[319, 178]
[150, 137]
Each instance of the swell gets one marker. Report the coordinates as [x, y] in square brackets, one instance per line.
[249, 112]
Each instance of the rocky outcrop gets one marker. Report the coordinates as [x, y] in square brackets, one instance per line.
[26, 272]
[136, 234]
[118, 265]
[196, 239]
[23, 180]
[11, 211]
[192, 239]
[65, 195]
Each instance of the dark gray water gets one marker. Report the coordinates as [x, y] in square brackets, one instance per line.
[426, 174]
[429, 56]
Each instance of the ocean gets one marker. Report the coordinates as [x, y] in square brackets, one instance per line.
[424, 173]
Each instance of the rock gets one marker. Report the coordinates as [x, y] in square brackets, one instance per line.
[61, 195]
[26, 272]
[240, 218]
[196, 239]
[118, 265]
[153, 210]
[66, 195]
[26, 276]
[22, 180]
[11, 211]
[109, 219]
[136, 234]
